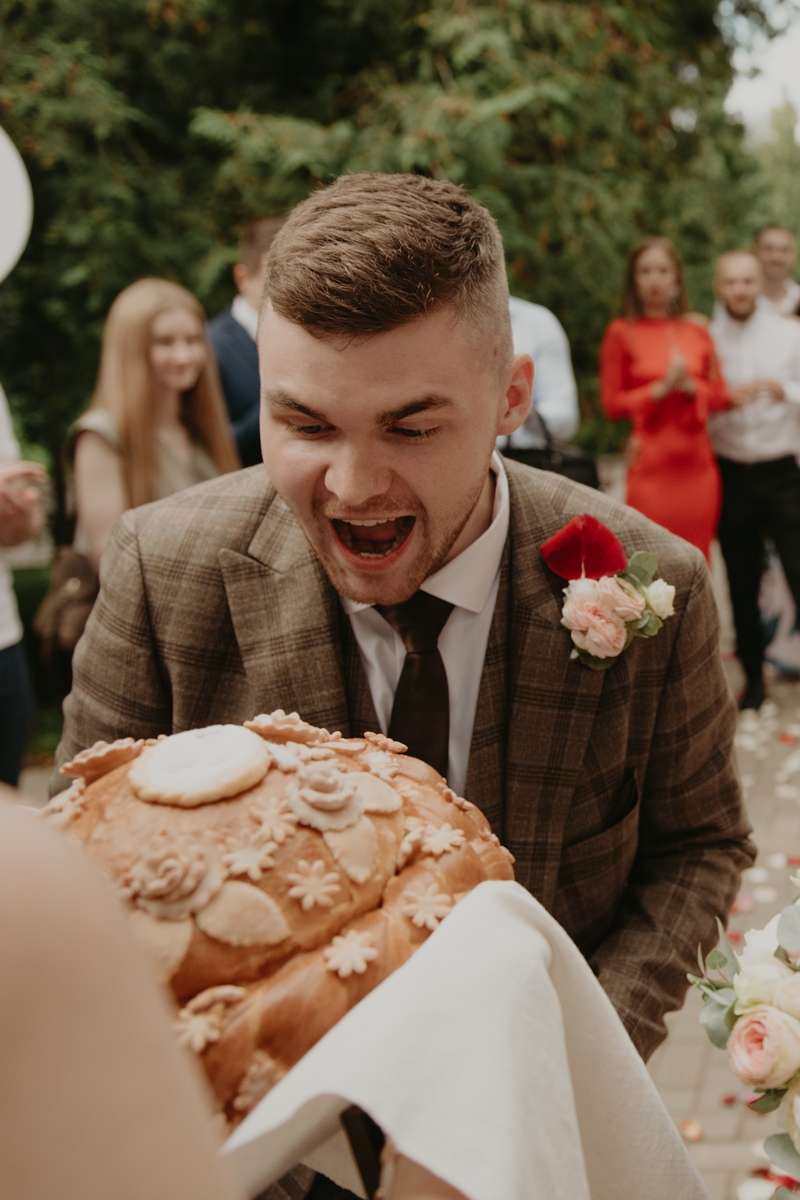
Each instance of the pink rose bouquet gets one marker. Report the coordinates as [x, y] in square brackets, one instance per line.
[751, 1008]
[608, 600]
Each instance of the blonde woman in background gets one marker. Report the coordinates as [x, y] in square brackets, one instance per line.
[157, 423]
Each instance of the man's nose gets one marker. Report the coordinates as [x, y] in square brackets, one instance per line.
[356, 474]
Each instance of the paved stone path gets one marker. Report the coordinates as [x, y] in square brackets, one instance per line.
[692, 1075]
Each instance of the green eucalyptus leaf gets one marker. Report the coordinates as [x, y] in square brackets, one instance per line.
[789, 928]
[641, 568]
[783, 1155]
[717, 1006]
[732, 969]
[783, 1193]
[769, 1101]
[716, 961]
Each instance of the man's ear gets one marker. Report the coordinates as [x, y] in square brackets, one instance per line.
[517, 398]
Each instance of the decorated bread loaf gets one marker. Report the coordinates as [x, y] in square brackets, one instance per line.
[276, 873]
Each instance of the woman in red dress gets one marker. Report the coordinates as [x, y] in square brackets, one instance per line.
[658, 367]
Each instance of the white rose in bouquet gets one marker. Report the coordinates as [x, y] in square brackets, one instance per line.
[760, 944]
[660, 597]
[787, 996]
[757, 984]
[764, 1048]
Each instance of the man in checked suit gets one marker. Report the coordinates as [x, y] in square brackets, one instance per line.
[387, 372]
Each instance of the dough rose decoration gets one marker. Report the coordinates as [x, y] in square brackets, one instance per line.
[275, 873]
[608, 600]
[751, 1008]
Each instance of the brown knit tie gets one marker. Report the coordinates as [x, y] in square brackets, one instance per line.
[421, 709]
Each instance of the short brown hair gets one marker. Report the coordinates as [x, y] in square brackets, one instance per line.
[631, 305]
[256, 239]
[372, 252]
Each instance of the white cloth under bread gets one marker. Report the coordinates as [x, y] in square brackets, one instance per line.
[493, 1058]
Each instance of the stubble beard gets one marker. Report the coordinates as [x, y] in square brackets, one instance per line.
[372, 590]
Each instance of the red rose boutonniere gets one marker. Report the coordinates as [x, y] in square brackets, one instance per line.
[608, 600]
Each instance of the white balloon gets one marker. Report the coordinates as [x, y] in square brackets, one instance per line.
[16, 205]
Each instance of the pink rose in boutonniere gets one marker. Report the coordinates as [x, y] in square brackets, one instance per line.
[608, 601]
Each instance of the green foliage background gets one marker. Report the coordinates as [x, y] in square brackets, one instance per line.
[152, 129]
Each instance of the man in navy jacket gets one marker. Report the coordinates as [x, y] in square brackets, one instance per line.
[233, 334]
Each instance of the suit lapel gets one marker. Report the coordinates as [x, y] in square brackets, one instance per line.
[552, 700]
[286, 619]
[485, 785]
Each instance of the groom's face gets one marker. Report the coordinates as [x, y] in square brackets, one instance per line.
[381, 446]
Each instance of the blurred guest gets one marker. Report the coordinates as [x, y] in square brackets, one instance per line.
[21, 517]
[157, 424]
[658, 367]
[233, 334]
[538, 332]
[775, 249]
[756, 444]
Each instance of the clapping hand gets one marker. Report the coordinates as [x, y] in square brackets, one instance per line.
[676, 378]
[21, 511]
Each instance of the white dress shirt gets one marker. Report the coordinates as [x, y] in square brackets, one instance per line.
[538, 332]
[469, 582]
[245, 315]
[10, 627]
[787, 305]
[765, 346]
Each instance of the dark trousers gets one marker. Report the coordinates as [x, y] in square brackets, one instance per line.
[758, 500]
[16, 712]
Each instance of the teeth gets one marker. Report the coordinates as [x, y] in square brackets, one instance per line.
[369, 523]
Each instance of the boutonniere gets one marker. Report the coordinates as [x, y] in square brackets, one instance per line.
[608, 600]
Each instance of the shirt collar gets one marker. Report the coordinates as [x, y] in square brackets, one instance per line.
[245, 315]
[466, 581]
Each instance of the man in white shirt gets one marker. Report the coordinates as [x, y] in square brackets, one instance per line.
[774, 247]
[21, 517]
[756, 443]
[233, 336]
[538, 332]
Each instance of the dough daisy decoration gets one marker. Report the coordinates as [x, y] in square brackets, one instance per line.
[426, 909]
[608, 600]
[350, 954]
[312, 884]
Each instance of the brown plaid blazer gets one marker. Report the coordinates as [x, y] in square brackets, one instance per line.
[616, 791]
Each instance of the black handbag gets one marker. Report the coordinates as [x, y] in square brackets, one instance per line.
[556, 456]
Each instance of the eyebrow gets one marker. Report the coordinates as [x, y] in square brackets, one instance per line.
[277, 398]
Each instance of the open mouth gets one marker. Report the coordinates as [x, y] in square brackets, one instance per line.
[374, 538]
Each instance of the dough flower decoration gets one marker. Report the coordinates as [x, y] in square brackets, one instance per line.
[250, 855]
[312, 884]
[174, 879]
[751, 1009]
[609, 600]
[261, 1075]
[427, 907]
[438, 839]
[324, 798]
[199, 1023]
[350, 954]
[275, 819]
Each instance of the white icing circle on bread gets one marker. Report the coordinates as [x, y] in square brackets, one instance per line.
[200, 766]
